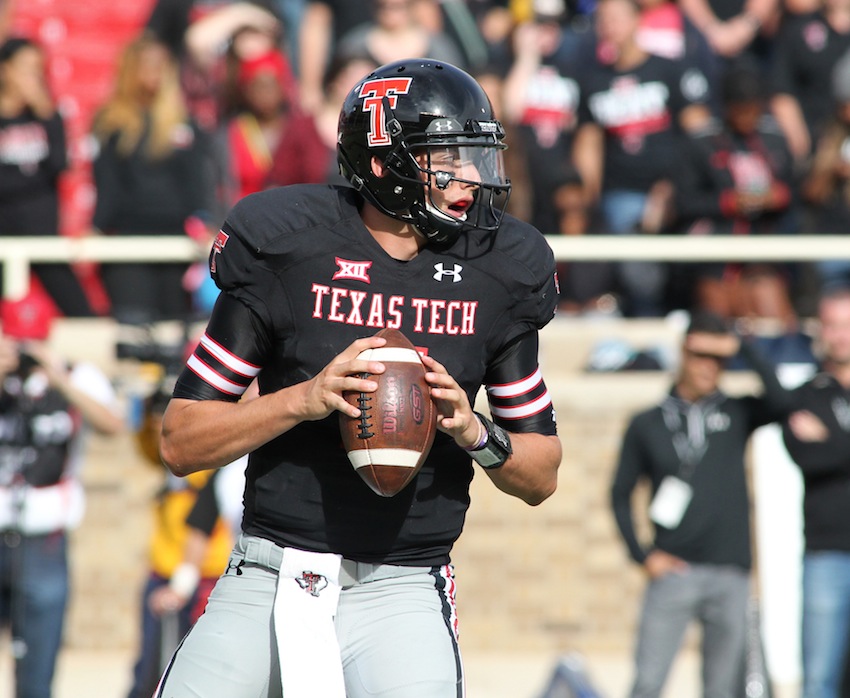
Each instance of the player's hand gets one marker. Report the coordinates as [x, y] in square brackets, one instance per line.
[454, 413]
[324, 392]
[165, 600]
[807, 426]
[658, 564]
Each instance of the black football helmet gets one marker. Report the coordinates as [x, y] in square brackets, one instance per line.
[431, 124]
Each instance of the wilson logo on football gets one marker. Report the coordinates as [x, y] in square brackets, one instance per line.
[373, 93]
[392, 407]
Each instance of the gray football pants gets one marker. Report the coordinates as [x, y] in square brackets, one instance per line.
[396, 628]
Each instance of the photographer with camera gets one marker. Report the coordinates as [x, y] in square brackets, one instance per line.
[45, 406]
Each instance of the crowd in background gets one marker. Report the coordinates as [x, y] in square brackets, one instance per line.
[625, 117]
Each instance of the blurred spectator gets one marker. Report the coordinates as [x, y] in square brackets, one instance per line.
[323, 26]
[396, 33]
[245, 144]
[246, 45]
[220, 499]
[307, 149]
[805, 51]
[161, 628]
[152, 176]
[690, 450]
[733, 27]
[541, 97]
[32, 156]
[737, 178]
[633, 111]
[476, 26]
[324, 23]
[817, 435]
[585, 286]
[665, 31]
[47, 405]
[827, 184]
[198, 33]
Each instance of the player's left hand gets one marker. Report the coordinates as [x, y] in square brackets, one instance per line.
[454, 413]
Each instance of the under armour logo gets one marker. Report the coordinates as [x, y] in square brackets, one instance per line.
[311, 582]
[359, 271]
[442, 125]
[441, 271]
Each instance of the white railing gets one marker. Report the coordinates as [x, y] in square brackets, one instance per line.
[18, 253]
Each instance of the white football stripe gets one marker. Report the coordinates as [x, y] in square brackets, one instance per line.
[402, 457]
[213, 378]
[525, 410]
[391, 354]
[230, 360]
[517, 388]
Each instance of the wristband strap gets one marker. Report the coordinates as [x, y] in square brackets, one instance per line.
[497, 446]
[483, 438]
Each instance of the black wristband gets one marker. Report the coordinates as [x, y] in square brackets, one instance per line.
[497, 448]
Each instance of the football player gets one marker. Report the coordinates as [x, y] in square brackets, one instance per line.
[333, 590]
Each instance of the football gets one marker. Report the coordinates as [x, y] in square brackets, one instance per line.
[391, 439]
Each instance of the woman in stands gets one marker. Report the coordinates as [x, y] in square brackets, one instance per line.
[152, 178]
[32, 157]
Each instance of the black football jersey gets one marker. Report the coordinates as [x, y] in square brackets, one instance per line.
[299, 262]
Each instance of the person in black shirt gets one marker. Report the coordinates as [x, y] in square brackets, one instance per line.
[32, 157]
[690, 449]
[817, 436]
[152, 177]
[736, 177]
[806, 49]
[308, 274]
[47, 406]
[633, 110]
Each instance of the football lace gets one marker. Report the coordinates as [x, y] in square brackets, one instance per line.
[365, 426]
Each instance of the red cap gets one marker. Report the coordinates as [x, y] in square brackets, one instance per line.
[272, 62]
[27, 318]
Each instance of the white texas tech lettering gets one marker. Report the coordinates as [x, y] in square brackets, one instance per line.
[373, 93]
[432, 315]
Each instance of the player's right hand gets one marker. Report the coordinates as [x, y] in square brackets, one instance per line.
[324, 392]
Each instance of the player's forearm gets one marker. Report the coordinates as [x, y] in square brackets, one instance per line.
[204, 434]
[531, 473]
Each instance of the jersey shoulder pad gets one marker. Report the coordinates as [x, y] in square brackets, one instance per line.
[526, 261]
[272, 229]
[268, 219]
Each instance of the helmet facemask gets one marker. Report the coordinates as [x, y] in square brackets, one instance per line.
[463, 187]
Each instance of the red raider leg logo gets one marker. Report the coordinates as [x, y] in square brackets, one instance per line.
[373, 93]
